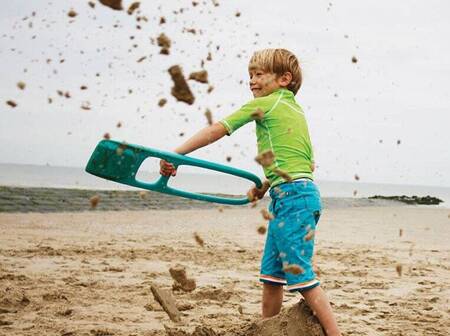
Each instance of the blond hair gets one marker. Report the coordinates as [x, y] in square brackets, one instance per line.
[278, 61]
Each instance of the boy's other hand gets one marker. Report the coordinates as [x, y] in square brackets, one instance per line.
[167, 168]
[255, 193]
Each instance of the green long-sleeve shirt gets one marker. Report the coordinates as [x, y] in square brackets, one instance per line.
[282, 129]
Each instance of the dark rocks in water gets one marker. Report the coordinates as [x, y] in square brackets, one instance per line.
[427, 200]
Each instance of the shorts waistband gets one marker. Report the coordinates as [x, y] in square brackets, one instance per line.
[300, 185]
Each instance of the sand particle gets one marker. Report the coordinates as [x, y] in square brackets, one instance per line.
[72, 13]
[209, 117]
[265, 158]
[21, 85]
[199, 239]
[283, 174]
[399, 269]
[143, 194]
[262, 229]
[86, 106]
[133, 7]
[94, 200]
[354, 59]
[141, 59]
[11, 103]
[293, 269]
[190, 30]
[266, 214]
[309, 235]
[258, 114]
[162, 102]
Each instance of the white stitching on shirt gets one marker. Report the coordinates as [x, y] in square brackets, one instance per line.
[229, 128]
[292, 107]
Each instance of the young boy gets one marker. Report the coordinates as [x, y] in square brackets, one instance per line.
[283, 139]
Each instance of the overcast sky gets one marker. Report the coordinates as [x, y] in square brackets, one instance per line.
[385, 118]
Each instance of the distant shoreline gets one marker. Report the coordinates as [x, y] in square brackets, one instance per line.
[46, 200]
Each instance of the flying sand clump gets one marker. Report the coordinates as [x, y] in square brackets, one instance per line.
[209, 116]
[113, 4]
[180, 90]
[199, 76]
[165, 43]
[133, 7]
[181, 281]
[94, 200]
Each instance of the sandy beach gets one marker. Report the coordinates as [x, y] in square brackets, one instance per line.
[386, 270]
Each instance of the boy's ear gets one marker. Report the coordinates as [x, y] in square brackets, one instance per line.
[285, 79]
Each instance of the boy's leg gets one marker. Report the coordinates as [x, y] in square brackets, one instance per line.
[318, 302]
[271, 300]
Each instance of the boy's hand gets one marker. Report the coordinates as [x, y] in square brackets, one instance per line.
[255, 193]
[167, 168]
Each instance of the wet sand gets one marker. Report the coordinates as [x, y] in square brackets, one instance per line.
[90, 273]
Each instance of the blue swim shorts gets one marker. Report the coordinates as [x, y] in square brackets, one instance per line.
[287, 258]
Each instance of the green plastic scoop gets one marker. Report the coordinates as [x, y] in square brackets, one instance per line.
[119, 162]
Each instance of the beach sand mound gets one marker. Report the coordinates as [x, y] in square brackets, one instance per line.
[297, 320]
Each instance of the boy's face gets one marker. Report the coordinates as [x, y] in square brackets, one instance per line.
[263, 83]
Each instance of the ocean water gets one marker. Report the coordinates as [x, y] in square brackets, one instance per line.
[70, 177]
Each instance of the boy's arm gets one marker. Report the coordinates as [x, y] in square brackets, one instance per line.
[204, 137]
